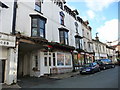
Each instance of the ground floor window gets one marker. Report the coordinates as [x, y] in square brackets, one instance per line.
[78, 59]
[64, 59]
[60, 59]
[75, 59]
[67, 59]
[54, 62]
[45, 61]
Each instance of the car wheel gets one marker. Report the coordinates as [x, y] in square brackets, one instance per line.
[93, 72]
[113, 66]
[81, 73]
[99, 70]
[104, 67]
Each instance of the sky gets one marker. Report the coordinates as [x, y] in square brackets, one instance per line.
[102, 17]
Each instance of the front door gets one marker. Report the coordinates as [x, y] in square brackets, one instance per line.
[2, 71]
[47, 62]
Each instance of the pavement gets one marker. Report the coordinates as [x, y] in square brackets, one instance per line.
[64, 75]
[26, 81]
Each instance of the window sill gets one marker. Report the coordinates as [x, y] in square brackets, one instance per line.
[38, 11]
[63, 25]
[35, 69]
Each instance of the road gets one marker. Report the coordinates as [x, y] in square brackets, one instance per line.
[104, 79]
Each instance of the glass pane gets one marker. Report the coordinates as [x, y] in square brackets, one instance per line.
[38, 8]
[36, 61]
[66, 41]
[66, 38]
[45, 61]
[75, 59]
[62, 20]
[49, 61]
[45, 53]
[49, 53]
[38, 2]
[60, 59]
[34, 22]
[61, 37]
[42, 24]
[34, 31]
[77, 40]
[66, 34]
[53, 54]
[54, 62]
[41, 33]
[67, 59]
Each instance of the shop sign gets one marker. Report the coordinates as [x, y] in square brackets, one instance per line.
[7, 40]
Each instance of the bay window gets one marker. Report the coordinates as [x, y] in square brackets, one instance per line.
[38, 27]
[78, 42]
[63, 34]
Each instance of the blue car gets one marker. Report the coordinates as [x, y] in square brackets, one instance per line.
[90, 68]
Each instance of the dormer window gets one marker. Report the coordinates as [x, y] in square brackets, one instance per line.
[38, 5]
[62, 16]
[61, 5]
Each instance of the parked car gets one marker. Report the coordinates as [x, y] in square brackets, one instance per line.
[89, 68]
[105, 63]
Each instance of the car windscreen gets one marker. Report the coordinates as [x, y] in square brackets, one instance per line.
[88, 65]
[105, 61]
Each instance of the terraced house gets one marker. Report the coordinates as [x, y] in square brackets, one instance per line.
[42, 37]
[102, 50]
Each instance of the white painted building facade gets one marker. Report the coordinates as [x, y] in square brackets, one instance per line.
[102, 50]
[44, 40]
[39, 61]
[8, 47]
[99, 49]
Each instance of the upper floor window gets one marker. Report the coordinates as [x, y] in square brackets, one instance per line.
[89, 47]
[83, 32]
[87, 34]
[78, 42]
[84, 45]
[62, 16]
[63, 34]
[76, 26]
[38, 27]
[38, 5]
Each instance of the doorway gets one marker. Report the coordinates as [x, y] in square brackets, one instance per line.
[2, 71]
[48, 62]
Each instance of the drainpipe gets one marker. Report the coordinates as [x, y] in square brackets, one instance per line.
[14, 17]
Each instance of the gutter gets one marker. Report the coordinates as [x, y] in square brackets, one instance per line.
[14, 17]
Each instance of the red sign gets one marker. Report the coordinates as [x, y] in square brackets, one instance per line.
[49, 46]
